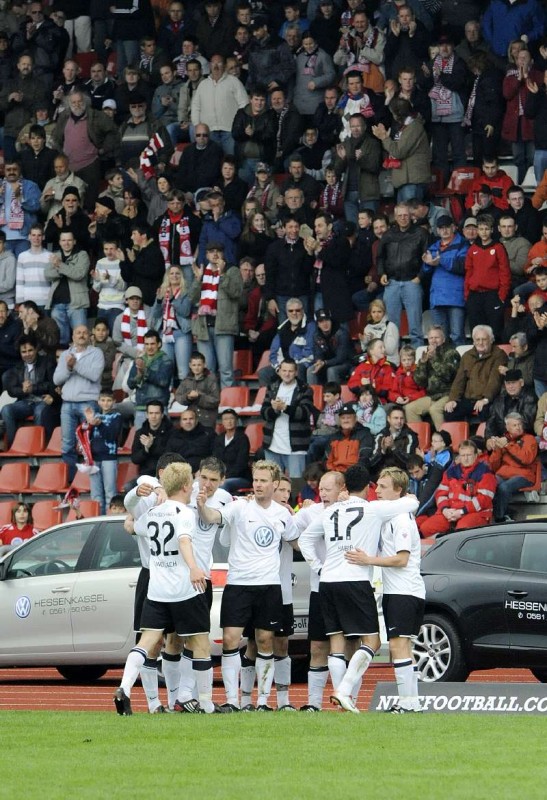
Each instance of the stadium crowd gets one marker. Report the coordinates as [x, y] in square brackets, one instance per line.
[184, 182]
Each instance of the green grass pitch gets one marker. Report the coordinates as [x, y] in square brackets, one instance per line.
[56, 756]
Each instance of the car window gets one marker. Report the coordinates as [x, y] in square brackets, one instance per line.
[534, 553]
[116, 549]
[54, 553]
[501, 550]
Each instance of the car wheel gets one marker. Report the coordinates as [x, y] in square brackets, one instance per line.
[438, 651]
[540, 674]
[84, 674]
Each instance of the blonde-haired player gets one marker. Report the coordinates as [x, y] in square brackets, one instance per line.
[404, 590]
[175, 598]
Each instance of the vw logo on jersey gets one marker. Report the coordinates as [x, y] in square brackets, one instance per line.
[203, 526]
[264, 536]
[23, 607]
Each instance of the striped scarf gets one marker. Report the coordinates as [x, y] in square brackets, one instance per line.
[170, 225]
[16, 213]
[169, 319]
[318, 263]
[514, 73]
[142, 327]
[329, 197]
[439, 94]
[209, 292]
[260, 194]
[468, 118]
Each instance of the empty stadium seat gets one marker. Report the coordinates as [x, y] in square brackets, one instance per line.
[127, 471]
[28, 441]
[88, 508]
[14, 478]
[255, 434]
[423, 431]
[458, 431]
[53, 447]
[51, 478]
[235, 397]
[45, 514]
[125, 449]
[6, 509]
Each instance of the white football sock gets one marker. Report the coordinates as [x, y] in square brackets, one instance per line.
[203, 675]
[187, 684]
[149, 680]
[337, 668]
[317, 680]
[358, 665]
[264, 676]
[231, 668]
[248, 675]
[135, 660]
[171, 673]
[404, 675]
[282, 678]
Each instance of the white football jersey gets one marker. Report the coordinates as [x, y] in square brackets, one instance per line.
[137, 506]
[303, 518]
[164, 525]
[204, 539]
[398, 535]
[254, 535]
[344, 526]
[285, 571]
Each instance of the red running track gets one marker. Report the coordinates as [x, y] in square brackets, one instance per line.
[43, 689]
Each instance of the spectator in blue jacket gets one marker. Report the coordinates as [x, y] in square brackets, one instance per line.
[294, 339]
[505, 20]
[221, 226]
[445, 259]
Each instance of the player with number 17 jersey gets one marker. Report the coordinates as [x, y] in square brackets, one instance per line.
[254, 535]
[164, 525]
[344, 526]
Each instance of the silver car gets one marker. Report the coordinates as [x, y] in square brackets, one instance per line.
[66, 599]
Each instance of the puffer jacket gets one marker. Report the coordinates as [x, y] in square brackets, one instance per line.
[448, 279]
[471, 488]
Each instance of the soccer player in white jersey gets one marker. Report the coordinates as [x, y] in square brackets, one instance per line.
[330, 486]
[252, 596]
[282, 661]
[137, 502]
[345, 592]
[211, 474]
[403, 600]
[175, 599]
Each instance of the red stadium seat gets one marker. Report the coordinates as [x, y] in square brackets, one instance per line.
[6, 510]
[458, 431]
[423, 431]
[88, 508]
[125, 449]
[255, 434]
[127, 471]
[53, 448]
[28, 441]
[14, 478]
[235, 397]
[51, 478]
[45, 514]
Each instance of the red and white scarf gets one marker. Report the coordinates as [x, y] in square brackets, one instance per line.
[142, 327]
[209, 292]
[16, 213]
[329, 197]
[182, 227]
[370, 41]
[169, 319]
[150, 151]
[83, 444]
[318, 263]
[261, 194]
[439, 94]
[468, 118]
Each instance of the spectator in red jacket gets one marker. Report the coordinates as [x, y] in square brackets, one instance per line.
[404, 388]
[487, 279]
[514, 461]
[494, 177]
[465, 496]
[375, 371]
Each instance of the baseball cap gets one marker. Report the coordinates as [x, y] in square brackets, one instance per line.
[347, 408]
[110, 104]
[470, 221]
[513, 375]
[263, 167]
[132, 291]
[322, 314]
[444, 220]
[214, 246]
[258, 22]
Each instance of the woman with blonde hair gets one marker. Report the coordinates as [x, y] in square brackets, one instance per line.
[171, 318]
[379, 327]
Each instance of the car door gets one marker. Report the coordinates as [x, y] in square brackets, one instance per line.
[36, 595]
[526, 601]
[480, 587]
[104, 594]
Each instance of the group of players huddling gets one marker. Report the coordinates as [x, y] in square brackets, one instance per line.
[177, 520]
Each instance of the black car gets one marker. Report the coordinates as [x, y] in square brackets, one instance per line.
[486, 602]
